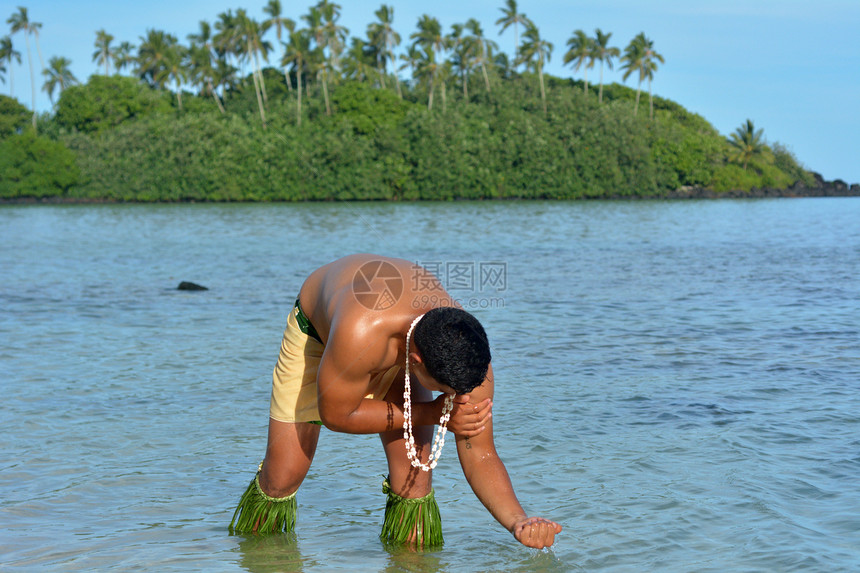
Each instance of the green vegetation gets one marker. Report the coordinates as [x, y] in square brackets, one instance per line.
[333, 120]
[31, 165]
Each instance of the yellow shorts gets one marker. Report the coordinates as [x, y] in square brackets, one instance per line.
[294, 381]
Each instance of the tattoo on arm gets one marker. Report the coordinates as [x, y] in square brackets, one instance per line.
[390, 420]
[468, 444]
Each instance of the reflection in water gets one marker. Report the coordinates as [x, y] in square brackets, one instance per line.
[402, 558]
[274, 552]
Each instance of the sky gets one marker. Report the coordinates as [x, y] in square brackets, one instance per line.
[791, 66]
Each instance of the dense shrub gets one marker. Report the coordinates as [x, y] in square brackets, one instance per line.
[35, 166]
[105, 102]
[14, 117]
[131, 144]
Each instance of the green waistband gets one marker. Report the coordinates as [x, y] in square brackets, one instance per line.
[305, 324]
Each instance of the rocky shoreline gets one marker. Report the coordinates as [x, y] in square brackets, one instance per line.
[821, 188]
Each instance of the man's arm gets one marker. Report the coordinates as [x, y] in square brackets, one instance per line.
[342, 384]
[488, 477]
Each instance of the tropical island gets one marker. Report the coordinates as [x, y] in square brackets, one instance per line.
[276, 109]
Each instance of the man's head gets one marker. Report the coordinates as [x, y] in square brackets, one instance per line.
[453, 348]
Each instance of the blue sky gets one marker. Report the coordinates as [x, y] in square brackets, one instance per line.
[792, 66]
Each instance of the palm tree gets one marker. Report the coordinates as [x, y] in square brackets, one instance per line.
[103, 53]
[640, 56]
[651, 59]
[8, 55]
[153, 56]
[360, 61]
[296, 53]
[511, 16]
[34, 29]
[228, 41]
[175, 70]
[328, 37]
[250, 33]
[58, 75]
[335, 35]
[484, 48]
[122, 56]
[280, 24]
[443, 72]
[502, 64]
[20, 22]
[225, 75]
[384, 38]
[430, 38]
[747, 142]
[411, 59]
[429, 34]
[580, 54]
[463, 55]
[200, 62]
[535, 52]
[427, 69]
[275, 20]
[604, 54]
[316, 57]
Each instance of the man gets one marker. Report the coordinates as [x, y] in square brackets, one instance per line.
[360, 336]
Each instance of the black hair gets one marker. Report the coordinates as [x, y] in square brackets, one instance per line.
[453, 347]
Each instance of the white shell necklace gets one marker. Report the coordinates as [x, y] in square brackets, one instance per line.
[439, 438]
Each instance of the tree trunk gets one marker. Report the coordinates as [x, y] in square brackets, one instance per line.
[430, 98]
[257, 89]
[325, 93]
[465, 87]
[32, 77]
[259, 100]
[381, 71]
[299, 89]
[215, 96]
[542, 89]
[586, 81]
[486, 77]
[287, 77]
[638, 89]
[259, 72]
[600, 94]
[516, 43]
[39, 49]
[650, 101]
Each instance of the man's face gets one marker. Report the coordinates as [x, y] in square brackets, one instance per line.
[428, 381]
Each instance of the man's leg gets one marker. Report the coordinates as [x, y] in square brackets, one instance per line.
[411, 513]
[289, 454]
[269, 503]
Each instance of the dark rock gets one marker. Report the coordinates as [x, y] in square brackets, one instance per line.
[819, 179]
[184, 285]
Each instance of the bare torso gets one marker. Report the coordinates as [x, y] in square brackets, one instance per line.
[368, 302]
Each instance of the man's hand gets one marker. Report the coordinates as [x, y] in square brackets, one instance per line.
[467, 419]
[536, 532]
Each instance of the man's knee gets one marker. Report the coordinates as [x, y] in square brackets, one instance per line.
[280, 481]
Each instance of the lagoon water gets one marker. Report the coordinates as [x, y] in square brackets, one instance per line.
[678, 384]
